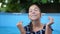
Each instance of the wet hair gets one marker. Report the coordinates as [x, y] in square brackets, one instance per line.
[37, 4]
[30, 25]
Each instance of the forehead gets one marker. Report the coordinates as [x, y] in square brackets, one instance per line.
[33, 6]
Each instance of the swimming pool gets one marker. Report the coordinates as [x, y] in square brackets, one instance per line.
[8, 22]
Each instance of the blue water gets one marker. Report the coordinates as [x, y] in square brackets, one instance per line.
[8, 22]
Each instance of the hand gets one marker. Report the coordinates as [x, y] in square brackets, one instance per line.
[19, 24]
[21, 28]
[51, 21]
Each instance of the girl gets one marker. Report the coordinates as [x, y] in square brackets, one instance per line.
[35, 26]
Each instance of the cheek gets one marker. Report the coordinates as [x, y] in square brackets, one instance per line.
[39, 15]
[29, 15]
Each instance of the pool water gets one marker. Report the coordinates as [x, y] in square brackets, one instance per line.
[8, 22]
[9, 30]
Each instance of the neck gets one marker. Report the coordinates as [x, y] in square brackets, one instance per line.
[36, 23]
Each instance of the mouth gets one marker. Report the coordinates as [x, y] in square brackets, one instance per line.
[34, 16]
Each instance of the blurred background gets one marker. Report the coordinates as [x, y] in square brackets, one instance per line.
[47, 6]
[13, 11]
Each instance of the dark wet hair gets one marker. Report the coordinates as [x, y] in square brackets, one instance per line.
[30, 25]
[37, 4]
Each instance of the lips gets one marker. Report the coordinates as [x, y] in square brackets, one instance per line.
[33, 16]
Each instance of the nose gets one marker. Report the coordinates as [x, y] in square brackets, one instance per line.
[33, 12]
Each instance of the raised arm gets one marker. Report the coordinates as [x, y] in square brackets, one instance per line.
[48, 29]
[21, 28]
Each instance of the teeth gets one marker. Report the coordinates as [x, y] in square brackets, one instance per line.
[34, 15]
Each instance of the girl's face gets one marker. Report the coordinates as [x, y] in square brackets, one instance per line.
[34, 12]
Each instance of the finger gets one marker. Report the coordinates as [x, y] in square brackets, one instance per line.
[50, 18]
[19, 23]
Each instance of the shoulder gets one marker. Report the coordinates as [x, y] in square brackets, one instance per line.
[26, 28]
